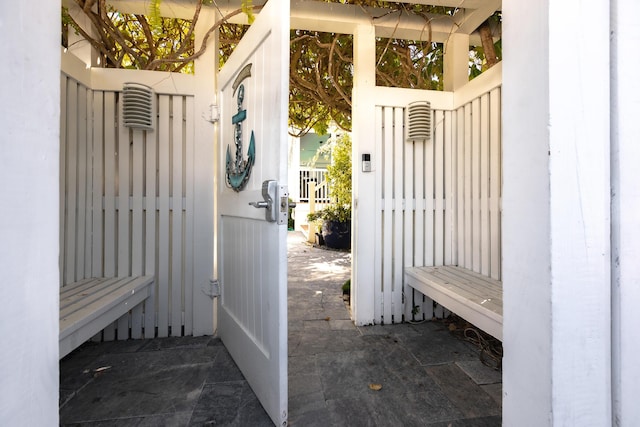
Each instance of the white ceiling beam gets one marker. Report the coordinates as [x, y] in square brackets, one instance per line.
[469, 20]
[344, 18]
[465, 4]
[316, 15]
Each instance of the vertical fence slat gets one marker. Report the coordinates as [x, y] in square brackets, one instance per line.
[398, 214]
[429, 193]
[137, 225]
[110, 226]
[426, 308]
[475, 184]
[72, 166]
[124, 213]
[448, 190]
[89, 233]
[379, 214]
[63, 174]
[177, 155]
[98, 179]
[163, 217]
[409, 233]
[420, 169]
[84, 157]
[495, 182]
[438, 168]
[387, 226]
[461, 179]
[468, 182]
[189, 218]
[485, 265]
[150, 230]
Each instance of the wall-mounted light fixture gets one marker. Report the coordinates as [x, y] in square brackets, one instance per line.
[137, 106]
[418, 121]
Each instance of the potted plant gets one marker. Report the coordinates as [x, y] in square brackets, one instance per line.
[336, 218]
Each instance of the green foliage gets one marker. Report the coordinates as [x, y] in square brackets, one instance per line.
[247, 9]
[334, 212]
[477, 61]
[346, 286]
[339, 172]
[339, 177]
[410, 64]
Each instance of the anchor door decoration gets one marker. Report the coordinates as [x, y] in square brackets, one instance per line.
[238, 169]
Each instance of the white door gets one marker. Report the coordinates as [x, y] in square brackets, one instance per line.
[252, 257]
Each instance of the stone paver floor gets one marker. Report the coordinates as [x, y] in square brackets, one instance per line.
[427, 376]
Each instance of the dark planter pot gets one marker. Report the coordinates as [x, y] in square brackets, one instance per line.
[337, 235]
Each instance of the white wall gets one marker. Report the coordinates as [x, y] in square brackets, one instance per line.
[625, 157]
[29, 119]
[556, 214]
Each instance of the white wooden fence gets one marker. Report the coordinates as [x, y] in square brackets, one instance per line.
[438, 201]
[126, 203]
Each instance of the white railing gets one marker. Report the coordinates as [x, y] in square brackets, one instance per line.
[317, 176]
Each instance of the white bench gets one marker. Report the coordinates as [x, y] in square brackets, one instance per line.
[472, 296]
[90, 305]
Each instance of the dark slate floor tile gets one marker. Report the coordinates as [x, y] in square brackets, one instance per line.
[162, 420]
[492, 421]
[175, 342]
[301, 365]
[495, 391]
[469, 397]
[160, 391]
[302, 404]
[479, 372]
[408, 410]
[304, 384]
[311, 342]
[349, 374]
[316, 417]
[124, 365]
[439, 346]
[224, 369]
[229, 404]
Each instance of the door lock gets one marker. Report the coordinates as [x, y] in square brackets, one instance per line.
[276, 202]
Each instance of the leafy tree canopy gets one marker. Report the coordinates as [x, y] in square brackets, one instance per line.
[321, 70]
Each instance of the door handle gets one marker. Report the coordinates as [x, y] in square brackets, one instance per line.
[269, 194]
[272, 193]
[259, 204]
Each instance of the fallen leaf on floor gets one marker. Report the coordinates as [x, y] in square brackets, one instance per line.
[375, 387]
[327, 318]
[452, 327]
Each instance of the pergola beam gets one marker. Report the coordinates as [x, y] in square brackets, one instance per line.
[314, 15]
[468, 20]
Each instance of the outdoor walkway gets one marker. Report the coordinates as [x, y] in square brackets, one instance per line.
[427, 376]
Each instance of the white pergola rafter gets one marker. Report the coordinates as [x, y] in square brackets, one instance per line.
[315, 15]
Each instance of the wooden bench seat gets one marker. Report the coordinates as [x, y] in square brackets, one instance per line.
[90, 305]
[472, 296]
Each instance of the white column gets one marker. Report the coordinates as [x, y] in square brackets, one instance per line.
[556, 262]
[29, 228]
[78, 45]
[363, 112]
[456, 62]
[206, 67]
[625, 158]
